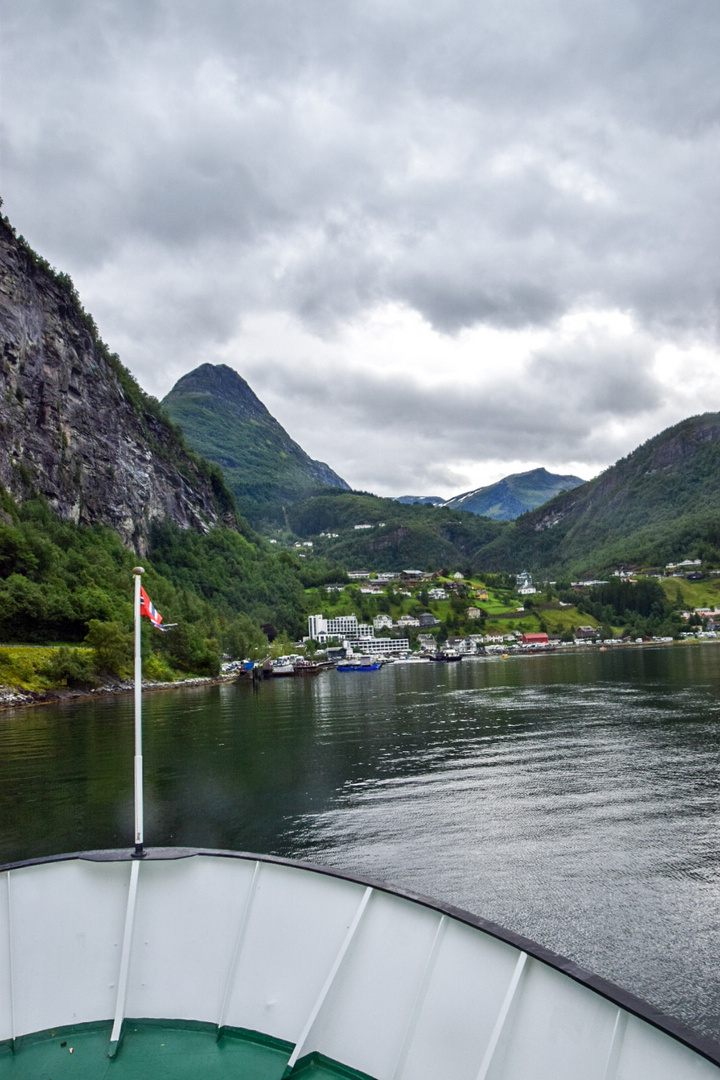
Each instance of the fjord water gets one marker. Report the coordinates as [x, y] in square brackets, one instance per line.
[571, 798]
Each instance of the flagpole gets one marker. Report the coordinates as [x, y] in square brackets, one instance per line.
[138, 571]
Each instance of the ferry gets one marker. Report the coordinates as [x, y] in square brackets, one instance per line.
[193, 963]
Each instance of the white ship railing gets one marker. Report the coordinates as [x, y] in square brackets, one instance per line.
[390, 984]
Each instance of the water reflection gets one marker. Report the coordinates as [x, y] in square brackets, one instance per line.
[572, 798]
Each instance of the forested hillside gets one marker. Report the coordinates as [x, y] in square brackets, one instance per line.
[58, 581]
[422, 537]
[94, 477]
[223, 420]
[660, 503]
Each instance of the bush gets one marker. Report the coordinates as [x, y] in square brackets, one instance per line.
[156, 670]
[70, 667]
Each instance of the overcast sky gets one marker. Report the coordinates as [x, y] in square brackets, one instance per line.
[442, 241]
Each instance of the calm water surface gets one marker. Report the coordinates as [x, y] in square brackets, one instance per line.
[571, 798]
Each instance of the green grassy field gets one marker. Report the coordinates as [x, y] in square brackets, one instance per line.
[20, 664]
[692, 594]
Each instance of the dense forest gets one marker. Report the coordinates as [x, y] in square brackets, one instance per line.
[60, 582]
[639, 608]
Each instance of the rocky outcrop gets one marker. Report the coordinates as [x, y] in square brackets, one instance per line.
[74, 425]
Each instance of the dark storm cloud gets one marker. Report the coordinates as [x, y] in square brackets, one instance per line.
[495, 164]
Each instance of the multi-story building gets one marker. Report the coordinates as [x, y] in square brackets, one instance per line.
[359, 637]
[381, 646]
[341, 627]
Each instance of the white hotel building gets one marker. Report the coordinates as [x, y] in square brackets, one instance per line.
[358, 636]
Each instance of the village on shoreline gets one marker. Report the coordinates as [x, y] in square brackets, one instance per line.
[502, 613]
[414, 614]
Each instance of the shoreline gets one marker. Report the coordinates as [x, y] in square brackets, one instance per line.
[14, 697]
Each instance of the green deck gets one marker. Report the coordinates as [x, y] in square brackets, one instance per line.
[157, 1050]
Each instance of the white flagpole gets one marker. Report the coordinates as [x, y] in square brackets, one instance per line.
[138, 571]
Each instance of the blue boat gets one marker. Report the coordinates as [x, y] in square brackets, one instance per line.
[363, 663]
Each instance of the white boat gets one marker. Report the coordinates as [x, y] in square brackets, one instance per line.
[212, 964]
[284, 665]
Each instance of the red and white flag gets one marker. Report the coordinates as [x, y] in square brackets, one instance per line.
[147, 608]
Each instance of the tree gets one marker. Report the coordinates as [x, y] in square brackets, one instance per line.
[112, 645]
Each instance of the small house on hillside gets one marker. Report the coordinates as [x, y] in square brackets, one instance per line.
[464, 645]
[428, 619]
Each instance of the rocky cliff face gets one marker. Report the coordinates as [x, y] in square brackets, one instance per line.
[75, 427]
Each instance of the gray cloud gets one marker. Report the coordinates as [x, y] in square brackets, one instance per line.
[484, 165]
[594, 396]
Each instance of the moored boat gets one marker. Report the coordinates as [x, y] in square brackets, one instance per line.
[446, 656]
[360, 663]
[306, 667]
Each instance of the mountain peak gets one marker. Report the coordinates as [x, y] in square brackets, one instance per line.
[224, 420]
[225, 384]
[515, 494]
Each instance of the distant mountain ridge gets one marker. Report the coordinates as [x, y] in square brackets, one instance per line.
[224, 420]
[514, 495]
[661, 502]
[423, 500]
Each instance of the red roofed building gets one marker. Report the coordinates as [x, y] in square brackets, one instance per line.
[534, 639]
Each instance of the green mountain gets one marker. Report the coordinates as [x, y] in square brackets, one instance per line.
[94, 475]
[365, 532]
[660, 503]
[514, 495]
[226, 422]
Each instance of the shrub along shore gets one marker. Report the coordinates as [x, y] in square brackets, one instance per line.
[17, 697]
